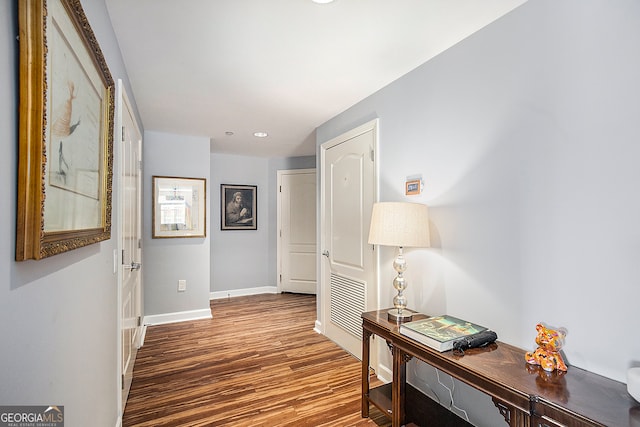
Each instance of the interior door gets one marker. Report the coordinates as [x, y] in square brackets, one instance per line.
[131, 235]
[349, 268]
[297, 231]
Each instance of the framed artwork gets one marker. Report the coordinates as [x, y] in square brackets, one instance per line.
[239, 207]
[65, 163]
[179, 207]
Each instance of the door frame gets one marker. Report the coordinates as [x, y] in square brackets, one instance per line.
[279, 174]
[121, 99]
[372, 125]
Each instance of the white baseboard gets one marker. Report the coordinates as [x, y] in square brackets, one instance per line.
[243, 292]
[143, 334]
[384, 374]
[318, 327]
[181, 316]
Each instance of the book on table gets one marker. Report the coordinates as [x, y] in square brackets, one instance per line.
[440, 332]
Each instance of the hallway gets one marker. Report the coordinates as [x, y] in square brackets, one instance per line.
[258, 362]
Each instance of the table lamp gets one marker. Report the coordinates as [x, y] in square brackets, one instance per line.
[403, 225]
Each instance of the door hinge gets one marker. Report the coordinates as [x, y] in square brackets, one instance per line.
[281, 278]
[123, 257]
[139, 321]
[371, 154]
[139, 243]
[122, 135]
[281, 188]
[139, 165]
[123, 381]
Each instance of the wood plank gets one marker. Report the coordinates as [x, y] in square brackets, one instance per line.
[258, 362]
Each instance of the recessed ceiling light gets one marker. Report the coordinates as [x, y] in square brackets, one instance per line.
[228, 133]
[322, 1]
[260, 134]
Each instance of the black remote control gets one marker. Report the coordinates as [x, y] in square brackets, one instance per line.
[481, 339]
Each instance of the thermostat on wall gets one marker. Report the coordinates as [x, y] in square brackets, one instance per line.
[413, 186]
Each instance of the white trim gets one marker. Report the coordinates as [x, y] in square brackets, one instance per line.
[318, 327]
[280, 174]
[243, 292]
[384, 374]
[141, 337]
[122, 108]
[181, 316]
[117, 155]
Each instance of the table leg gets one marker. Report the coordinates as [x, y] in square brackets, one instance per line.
[513, 416]
[398, 387]
[366, 338]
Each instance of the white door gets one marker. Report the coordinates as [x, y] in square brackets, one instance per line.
[297, 231]
[348, 276]
[131, 234]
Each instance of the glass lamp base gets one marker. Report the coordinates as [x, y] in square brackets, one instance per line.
[396, 315]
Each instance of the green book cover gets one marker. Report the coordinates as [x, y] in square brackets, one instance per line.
[444, 328]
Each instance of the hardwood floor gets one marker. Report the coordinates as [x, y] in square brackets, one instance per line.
[258, 362]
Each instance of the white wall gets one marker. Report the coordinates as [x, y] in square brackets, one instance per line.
[526, 134]
[57, 315]
[168, 260]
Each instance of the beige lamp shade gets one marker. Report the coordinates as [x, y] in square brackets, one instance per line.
[400, 224]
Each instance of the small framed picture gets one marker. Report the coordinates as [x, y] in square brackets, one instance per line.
[239, 207]
[179, 207]
[412, 187]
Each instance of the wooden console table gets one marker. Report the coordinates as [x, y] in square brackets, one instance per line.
[525, 395]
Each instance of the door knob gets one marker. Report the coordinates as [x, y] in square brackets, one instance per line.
[325, 253]
[134, 266]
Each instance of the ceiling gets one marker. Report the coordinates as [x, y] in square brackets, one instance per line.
[214, 67]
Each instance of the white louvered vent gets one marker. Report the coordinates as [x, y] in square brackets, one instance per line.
[347, 303]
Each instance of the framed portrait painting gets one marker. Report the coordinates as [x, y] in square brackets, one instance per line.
[239, 207]
[65, 163]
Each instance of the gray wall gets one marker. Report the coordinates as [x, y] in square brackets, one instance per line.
[247, 259]
[526, 134]
[239, 257]
[57, 315]
[168, 260]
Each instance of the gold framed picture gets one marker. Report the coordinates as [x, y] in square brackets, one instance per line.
[179, 207]
[65, 164]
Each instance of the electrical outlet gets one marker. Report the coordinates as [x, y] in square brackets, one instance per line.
[182, 285]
